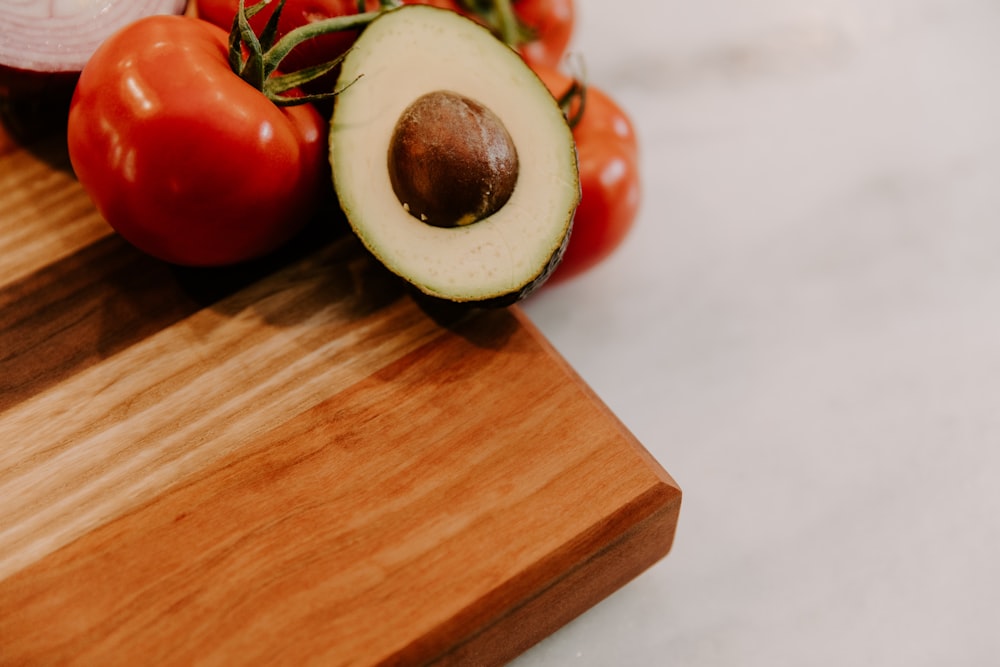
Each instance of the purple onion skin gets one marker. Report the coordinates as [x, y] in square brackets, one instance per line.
[26, 73]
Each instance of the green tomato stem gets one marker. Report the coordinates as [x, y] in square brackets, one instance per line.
[577, 92]
[507, 24]
[499, 16]
[273, 57]
[270, 31]
[265, 55]
[252, 69]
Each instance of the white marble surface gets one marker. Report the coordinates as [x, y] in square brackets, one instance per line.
[804, 329]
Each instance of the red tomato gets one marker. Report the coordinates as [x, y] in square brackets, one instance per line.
[551, 23]
[608, 155]
[182, 157]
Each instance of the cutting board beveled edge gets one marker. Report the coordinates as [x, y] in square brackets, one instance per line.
[543, 527]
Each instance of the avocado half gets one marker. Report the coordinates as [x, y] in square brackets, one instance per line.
[453, 163]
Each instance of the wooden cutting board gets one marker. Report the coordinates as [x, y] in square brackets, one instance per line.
[288, 462]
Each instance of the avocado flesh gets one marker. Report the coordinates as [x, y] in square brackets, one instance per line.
[403, 55]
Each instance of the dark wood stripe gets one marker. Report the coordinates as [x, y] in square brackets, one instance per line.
[78, 311]
[105, 297]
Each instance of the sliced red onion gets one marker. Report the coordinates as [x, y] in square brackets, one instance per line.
[51, 36]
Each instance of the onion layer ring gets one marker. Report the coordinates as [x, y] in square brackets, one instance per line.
[51, 36]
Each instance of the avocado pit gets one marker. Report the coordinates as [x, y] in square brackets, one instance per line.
[451, 161]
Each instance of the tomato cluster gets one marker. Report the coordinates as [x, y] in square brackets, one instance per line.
[192, 165]
[540, 29]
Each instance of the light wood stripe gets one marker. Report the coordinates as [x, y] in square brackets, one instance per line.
[121, 432]
[47, 216]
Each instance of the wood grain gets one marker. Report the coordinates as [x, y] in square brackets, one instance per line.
[292, 461]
